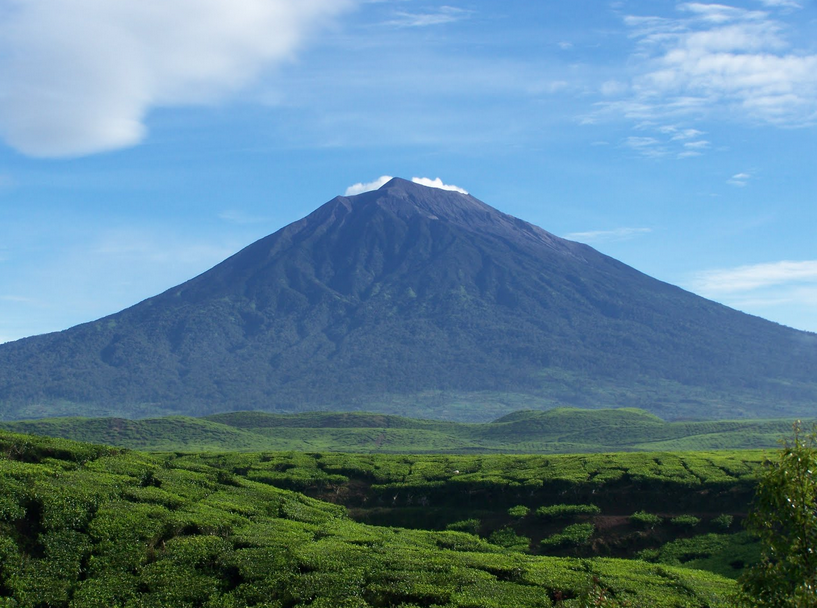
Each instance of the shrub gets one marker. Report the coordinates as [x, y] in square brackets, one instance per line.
[649, 555]
[506, 537]
[566, 511]
[723, 521]
[685, 521]
[466, 525]
[645, 520]
[574, 535]
[519, 511]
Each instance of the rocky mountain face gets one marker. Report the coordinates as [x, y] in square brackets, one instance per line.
[422, 302]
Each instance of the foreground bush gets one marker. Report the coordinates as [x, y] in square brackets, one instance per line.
[784, 517]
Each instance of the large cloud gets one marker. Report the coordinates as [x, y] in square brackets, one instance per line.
[716, 61]
[79, 76]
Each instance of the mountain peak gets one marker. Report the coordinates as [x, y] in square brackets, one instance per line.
[408, 198]
[415, 299]
[405, 184]
[403, 195]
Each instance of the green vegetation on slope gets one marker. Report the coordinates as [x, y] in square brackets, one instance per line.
[561, 430]
[91, 526]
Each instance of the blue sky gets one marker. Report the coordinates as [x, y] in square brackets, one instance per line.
[143, 141]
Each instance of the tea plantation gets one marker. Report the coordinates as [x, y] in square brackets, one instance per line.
[85, 525]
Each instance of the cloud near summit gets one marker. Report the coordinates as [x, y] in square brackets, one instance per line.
[360, 188]
[79, 76]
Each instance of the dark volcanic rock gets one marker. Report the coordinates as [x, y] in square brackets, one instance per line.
[417, 301]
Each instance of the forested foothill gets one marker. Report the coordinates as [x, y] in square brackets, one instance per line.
[89, 525]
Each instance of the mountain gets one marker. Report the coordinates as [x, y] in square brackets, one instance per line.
[415, 301]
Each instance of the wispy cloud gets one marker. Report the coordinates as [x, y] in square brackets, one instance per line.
[646, 146]
[781, 290]
[445, 14]
[754, 277]
[603, 236]
[708, 61]
[18, 299]
[721, 59]
[739, 179]
[79, 76]
[781, 3]
[361, 187]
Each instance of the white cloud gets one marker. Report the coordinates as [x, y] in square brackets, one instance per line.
[646, 146]
[722, 58]
[785, 291]
[693, 148]
[739, 179]
[445, 14]
[758, 276]
[683, 134]
[360, 188]
[79, 76]
[603, 236]
[437, 183]
[614, 87]
[781, 3]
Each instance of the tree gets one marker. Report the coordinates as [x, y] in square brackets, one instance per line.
[784, 517]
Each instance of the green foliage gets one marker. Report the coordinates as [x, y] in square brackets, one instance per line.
[685, 521]
[559, 430]
[566, 511]
[573, 535]
[508, 538]
[519, 511]
[645, 520]
[89, 527]
[723, 521]
[783, 518]
[725, 554]
[466, 525]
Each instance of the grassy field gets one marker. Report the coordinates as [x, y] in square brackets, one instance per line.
[561, 430]
[85, 525]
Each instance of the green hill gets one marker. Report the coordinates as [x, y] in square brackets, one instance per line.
[561, 430]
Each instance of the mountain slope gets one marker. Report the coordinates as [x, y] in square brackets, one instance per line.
[419, 301]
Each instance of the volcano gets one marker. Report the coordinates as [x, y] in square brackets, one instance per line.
[421, 302]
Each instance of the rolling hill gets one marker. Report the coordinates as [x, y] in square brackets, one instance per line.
[560, 430]
[420, 302]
